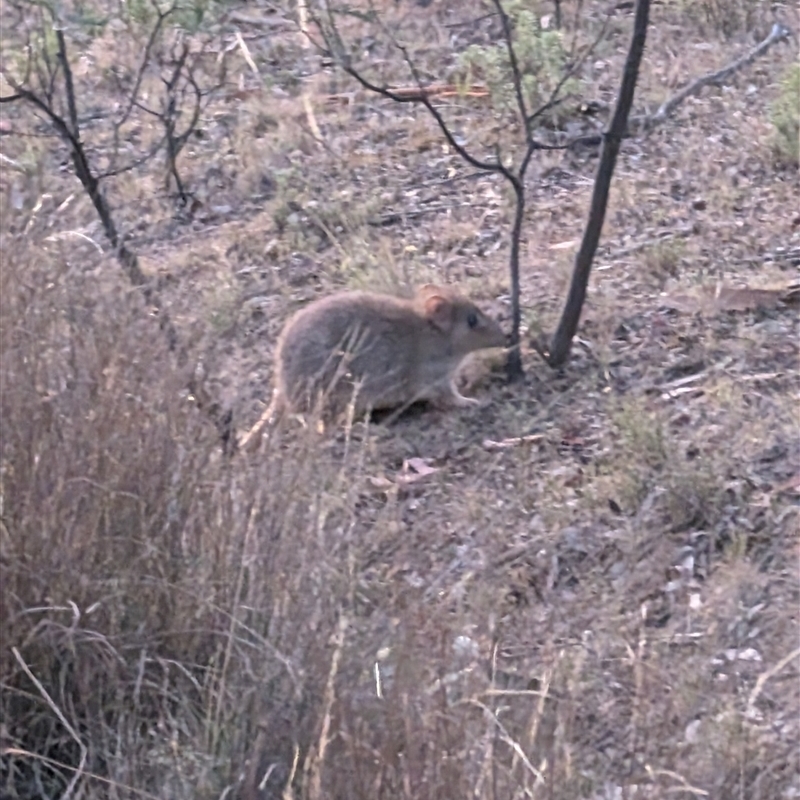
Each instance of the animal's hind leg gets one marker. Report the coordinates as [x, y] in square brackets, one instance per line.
[449, 397]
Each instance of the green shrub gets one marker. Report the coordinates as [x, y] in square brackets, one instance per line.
[728, 18]
[786, 118]
[541, 58]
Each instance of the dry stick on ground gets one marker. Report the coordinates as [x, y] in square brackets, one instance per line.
[422, 95]
[69, 131]
[562, 340]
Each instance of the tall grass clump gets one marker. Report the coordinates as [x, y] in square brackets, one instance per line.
[179, 624]
[156, 600]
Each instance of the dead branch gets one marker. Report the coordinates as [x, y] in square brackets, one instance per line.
[644, 123]
[178, 69]
[169, 115]
[69, 85]
[334, 42]
[67, 128]
[91, 184]
[436, 90]
[555, 96]
[516, 73]
[778, 33]
[161, 17]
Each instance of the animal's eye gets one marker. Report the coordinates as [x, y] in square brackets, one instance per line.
[472, 319]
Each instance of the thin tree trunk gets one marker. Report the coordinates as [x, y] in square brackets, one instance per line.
[514, 362]
[562, 340]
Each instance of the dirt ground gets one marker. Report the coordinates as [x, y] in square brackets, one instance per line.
[587, 587]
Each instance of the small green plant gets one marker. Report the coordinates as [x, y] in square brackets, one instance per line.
[662, 260]
[188, 15]
[643, 452]
[786, 118]
[727, 17]
[541, 58]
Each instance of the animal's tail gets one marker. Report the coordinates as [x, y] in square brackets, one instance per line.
[249, 442]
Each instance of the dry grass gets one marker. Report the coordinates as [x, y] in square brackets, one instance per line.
[587, 589]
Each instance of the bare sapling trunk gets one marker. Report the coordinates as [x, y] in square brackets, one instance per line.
[422, 94]
[561, 344]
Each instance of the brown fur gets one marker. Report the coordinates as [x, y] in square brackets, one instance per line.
[379, 350]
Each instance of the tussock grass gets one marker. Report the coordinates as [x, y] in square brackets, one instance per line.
[143, 577]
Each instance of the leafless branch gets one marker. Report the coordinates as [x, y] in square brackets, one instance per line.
[133, 94]
[137, 162]
[778, 33]
[91, 184]
[516, 75]
[181, 88]
[421, 97]
[69, 85]
[146, 54]
[44, 101]
[555, 96]
[644, 124]
[576, 26]
[169, 117]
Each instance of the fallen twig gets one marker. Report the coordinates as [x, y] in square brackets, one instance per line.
[667, 236]
[442, 90]
[764, 677]
[491, 444]
[393, 217]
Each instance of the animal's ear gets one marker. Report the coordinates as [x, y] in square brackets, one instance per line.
[439, 312]
[427, 290]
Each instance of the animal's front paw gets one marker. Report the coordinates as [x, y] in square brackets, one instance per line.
[459, 401]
